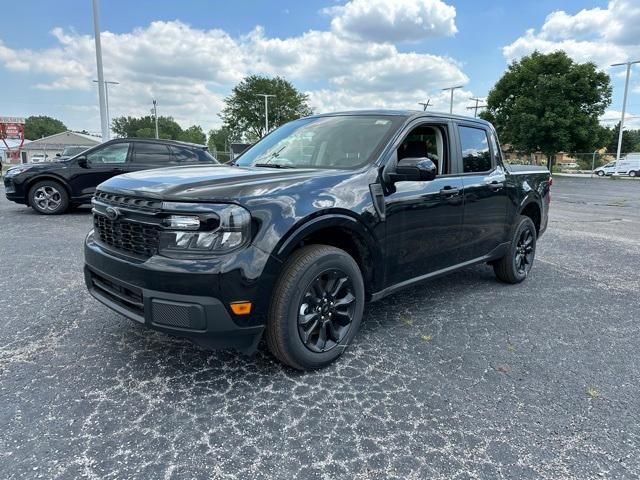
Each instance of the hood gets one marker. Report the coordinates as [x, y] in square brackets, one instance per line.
[211, 182]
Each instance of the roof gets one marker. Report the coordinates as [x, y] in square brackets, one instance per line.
[159, 140]
[13, 143]
[405, 113]
[60, 140]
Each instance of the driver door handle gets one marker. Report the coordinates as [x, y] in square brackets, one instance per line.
[449, 192]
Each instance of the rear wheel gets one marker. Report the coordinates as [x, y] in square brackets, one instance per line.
[633, 173]
[600, 173]
[516, 264]
[316, 308]
[48, 197]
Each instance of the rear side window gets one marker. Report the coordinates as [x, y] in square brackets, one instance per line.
[151, 153]
[476, 155]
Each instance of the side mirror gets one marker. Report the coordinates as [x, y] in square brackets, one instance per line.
[414, 169]
[58, 155]
[82, 162]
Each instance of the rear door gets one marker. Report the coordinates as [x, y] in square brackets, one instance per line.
[147, 155]
[485, 191]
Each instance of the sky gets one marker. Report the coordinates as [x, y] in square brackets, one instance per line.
[348, 54]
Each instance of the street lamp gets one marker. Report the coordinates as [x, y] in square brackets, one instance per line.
[103, 110]
[266, 110]
[624, 107]
[106, 96]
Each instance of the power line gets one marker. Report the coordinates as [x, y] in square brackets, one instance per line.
[476, 106]
[425, 105]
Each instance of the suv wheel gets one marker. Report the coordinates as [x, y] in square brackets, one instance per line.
[317, 307]
[516, 264]
[48, 197]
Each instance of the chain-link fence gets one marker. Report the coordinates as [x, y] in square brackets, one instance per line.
[563, 162]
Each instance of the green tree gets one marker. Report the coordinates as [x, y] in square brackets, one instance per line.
[243, 113]
[220, 139]
[194, 134]
[630, 140]
[549, 103]
[144, 127]
[39, 126]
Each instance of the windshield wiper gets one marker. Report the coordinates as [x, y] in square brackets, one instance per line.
[272, 165]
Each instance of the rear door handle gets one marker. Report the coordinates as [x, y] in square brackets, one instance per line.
[449, 192]
[496, 185]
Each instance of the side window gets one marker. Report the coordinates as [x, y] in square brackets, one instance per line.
[151, 153]
[182, 155]
[116, 153]
[428, 141]
[476, 156]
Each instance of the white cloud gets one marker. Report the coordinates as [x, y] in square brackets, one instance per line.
[603, 36]
[190, 70]
[393, 21]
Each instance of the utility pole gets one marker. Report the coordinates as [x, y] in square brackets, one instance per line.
[106, 96]
[425, 105]
[103, 109]
[624, 107]
[154, 111]
[476, 106]
[451, 102]
[266, 110]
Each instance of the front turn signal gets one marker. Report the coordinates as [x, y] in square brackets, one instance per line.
[241, 308]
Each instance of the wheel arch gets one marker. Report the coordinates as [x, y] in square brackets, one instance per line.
[32, 181]
[531, 207]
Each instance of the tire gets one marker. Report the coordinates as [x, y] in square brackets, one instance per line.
[49, 198]
[298, 302]
[633, 173]
[516, 264]
[600, 173]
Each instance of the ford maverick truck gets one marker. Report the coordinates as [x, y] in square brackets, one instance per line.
[320, 216]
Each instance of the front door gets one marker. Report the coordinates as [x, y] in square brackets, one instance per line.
[424, 218]
[102, 164]
[485, 192]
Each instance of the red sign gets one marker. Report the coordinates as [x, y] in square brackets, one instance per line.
[12, 130]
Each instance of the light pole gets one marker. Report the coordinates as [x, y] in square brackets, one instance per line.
[266, 110]
[624, 107]
[106, 96]
[154, 110]
[103, 109]
[451, 102]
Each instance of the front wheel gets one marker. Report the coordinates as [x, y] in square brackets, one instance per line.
[516, 264]
[316, 308]
[600, 173]
[48, 197]
[632, 173]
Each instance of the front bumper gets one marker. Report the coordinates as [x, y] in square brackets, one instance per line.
[187, 302]
[12, 192]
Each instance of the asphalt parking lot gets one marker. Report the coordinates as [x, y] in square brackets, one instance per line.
[459, 378]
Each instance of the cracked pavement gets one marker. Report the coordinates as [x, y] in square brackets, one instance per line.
[462, 377]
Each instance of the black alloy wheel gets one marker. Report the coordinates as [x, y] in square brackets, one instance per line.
[326, 311]
[524, 252]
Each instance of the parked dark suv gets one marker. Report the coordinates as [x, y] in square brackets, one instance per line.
[50, 188]
[321, 215]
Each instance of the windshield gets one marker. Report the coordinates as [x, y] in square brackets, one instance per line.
[341, 142]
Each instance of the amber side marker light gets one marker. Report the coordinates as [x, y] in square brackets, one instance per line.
[241, 308]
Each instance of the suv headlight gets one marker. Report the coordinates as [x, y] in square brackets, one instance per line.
[13, 171]
[202, 229]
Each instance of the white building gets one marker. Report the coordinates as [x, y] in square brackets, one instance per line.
[46, 148]
[13, 144]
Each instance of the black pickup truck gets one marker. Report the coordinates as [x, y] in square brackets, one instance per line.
[320, 216]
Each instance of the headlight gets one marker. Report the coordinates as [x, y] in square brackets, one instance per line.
[12, 172]
[213, 229]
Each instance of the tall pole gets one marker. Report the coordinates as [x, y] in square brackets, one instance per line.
[266, 110]
[624, 107]
[106, 96]
[155, 114]
[476, 107]
[451, 101]
[425, 105]
[101, 96]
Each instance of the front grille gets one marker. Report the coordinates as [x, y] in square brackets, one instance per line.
[135, 238]
[134, 203]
